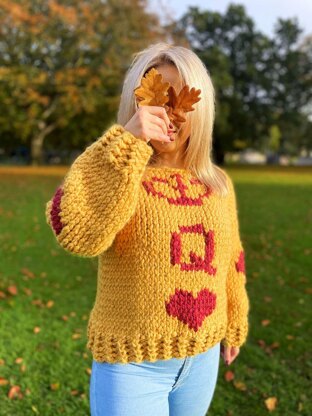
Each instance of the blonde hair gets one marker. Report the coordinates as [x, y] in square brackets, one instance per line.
[198, 155]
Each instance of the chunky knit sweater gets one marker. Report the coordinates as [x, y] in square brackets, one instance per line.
[171, 276]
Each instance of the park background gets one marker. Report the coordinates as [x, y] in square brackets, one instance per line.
[62, 65]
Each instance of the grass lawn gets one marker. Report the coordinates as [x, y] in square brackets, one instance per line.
[46, 295]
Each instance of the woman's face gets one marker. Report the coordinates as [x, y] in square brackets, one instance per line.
[170, 74]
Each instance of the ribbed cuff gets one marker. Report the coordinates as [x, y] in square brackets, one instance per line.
[124, 149]
[236, 335]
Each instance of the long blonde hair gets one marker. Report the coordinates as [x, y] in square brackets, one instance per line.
[198, 155]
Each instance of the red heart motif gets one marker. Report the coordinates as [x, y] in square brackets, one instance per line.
[190, 310]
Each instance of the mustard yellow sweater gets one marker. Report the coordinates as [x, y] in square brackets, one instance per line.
[171, 272]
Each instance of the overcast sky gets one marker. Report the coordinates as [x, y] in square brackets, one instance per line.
[263, 12]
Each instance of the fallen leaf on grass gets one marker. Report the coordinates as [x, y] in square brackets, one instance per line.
[37, 329]
[54, 386]
[15, 393]
[19, 360]
[271, 403]
[268, 348]
[28, 273]
[76, 336]
[275, 345]
[12, 290]
[265, 322]
[23, 368]
[229, 375]
[38, 302]
[240, 385]
[3, 381]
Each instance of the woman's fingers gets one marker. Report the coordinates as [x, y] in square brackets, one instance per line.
[156, 134]
[159, 122]
[160, 112]
[229, 354]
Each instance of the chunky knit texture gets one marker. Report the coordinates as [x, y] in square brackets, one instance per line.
[171, 271]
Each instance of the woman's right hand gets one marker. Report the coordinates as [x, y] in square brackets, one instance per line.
[150, 122]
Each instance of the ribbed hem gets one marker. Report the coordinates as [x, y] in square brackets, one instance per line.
[151, 348]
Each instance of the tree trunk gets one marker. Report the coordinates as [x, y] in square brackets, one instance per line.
[37, 143]
[36, 150]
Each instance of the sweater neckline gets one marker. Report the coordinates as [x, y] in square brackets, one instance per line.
[167, 169]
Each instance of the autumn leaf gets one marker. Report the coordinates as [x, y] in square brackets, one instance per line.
[27, 291]
[152, 91]
[37, 302]
[179, 104]
[12, 290]
[37, 329]
[54, 386]
[265, 322]
[50, 303]
[3, 381]
[271, 403]
[275, 345]
[15, 393]
[23, 368]
[229, 375]
[25, 271]
[239, 385]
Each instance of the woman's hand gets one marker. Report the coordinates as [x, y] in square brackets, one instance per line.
[229, 354]
[150, 122]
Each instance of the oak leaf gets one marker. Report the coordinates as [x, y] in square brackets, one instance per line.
[153, 91]
[180, 104]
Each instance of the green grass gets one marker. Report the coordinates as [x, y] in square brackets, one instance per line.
[275, 211]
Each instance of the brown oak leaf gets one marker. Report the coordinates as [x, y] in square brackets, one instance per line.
[153, 91]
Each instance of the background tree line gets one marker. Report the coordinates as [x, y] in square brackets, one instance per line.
[62, 65]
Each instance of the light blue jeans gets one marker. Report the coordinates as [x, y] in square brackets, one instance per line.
[174, 387]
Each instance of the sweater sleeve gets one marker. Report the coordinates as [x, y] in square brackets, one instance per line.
[237, 297]
[98, 195]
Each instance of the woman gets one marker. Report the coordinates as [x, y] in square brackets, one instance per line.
[147, 199]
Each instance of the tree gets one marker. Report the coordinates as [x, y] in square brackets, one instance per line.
[260, 82]
[63, 61]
